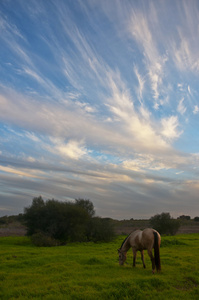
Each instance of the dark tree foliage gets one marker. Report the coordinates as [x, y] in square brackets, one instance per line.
[87, 205]
[34, 215]
[100, 230]
[196, 219]
[183, 217]
[164, 224]
[64, 221]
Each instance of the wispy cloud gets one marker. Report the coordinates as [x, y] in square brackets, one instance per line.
[185, 57]
[185, 46]
[18, 172]
[181, 108]
[138, 125]
[141, 82]
[142, 31]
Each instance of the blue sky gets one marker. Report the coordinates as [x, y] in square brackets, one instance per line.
[99, 100]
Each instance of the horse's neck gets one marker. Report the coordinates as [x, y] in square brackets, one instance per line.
[126, 246]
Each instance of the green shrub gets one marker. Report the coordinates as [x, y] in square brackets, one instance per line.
[100, 230]
[164, 224]
[42, 240]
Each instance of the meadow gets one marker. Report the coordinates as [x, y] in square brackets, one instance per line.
[91, 271]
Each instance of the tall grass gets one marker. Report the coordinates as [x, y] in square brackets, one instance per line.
[91, 271]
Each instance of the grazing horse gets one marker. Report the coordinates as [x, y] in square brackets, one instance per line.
[139, 241]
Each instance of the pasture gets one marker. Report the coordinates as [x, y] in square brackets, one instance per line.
[91, 271]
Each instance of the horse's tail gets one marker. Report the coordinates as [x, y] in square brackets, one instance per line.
[157, 251]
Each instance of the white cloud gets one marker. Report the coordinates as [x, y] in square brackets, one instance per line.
[141, 82]
[183, 54]
[181, 108]
[31, 159]
[196, 109]
[181, 87]
[189, 90]
[156, 106]
[33, 137]
[86, 107]
[170, 127]
[143, 133]
[144, 162]
[142, 30]
[185, 47]
[73, 149]
[20, 172]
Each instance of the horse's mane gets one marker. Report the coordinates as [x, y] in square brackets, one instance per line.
[124, 240]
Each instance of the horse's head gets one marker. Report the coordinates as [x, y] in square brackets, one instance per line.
[122, 257]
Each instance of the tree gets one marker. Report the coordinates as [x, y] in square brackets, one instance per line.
[34, 215]
[60, 220]
[164, 224]
[87, 205]
[64, 221]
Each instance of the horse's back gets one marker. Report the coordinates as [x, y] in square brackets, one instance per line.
[135, 238]
[148, 237]
[141, 240]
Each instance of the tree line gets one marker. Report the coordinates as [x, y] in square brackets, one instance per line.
[53, 222]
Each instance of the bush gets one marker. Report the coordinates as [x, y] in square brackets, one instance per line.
[100, 230]
[164, 224]
[41, 240]
[3, 220]
[65, 221]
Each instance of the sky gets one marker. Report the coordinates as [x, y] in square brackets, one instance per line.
[100, 100]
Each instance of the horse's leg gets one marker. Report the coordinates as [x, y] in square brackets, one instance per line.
[152, 260]
[134, 256]
[142, 257]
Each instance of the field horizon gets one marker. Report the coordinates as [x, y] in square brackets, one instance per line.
[121, 227]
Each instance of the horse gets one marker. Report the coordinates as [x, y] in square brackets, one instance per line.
[139, 241]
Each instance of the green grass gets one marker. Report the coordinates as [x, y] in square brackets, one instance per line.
[91, 271]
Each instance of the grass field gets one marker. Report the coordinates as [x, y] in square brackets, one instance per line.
[91, 271]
